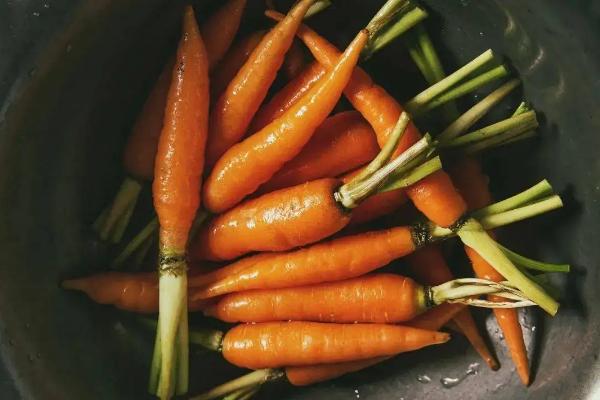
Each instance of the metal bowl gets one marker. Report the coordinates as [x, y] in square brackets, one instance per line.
[74, 73]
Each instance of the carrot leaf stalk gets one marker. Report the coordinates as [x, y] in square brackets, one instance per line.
[243, 394]
[144, 236]
[461, 290]
[522, 261]
[400, 180]
[250, 380]
[209, 339]
[536, 192]
[111, 224]
[317, 8]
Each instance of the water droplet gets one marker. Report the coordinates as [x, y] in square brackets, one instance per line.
[36, 14]
[533, 328]
[449, 383]
[357, 394]
[423, 379]
[480, 33]
[46, 5]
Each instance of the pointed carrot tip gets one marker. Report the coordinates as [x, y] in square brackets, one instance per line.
[441, 337]
[493, 364]
[524, 375]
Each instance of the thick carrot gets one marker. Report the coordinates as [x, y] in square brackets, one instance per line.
[291, 93]
[136, 292]
[233, 111]
[277, 344]
[250, 163]
[294, 62]
[231, 63]
[430, 268]
[220, 29]
[342, 142]
[473, 184]
[176, 192]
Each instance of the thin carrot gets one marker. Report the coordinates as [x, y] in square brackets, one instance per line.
[233, 111]
[294, 62]
[220, 29]
[379, 298]
[473, 184]
[430, 268]
[342, 142]
[311, 374]
[176, 193]
[250, 163]
[276, 344]
[136, 292]
[231, 62]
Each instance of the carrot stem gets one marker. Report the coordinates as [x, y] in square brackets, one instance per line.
[475, 113]
[529, 263]
[210, 339]
[243, 394]
[399, 181]
[460, 291]
[111, 226]
[155, 365]
[536, 192]
[518, 214]
[421, 99]
[317, 8]
[252, 379]
[183, 354]
[135, 243]
[137, 261]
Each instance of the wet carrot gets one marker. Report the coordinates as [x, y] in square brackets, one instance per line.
[220, 29]
[176, 194]
[136, 292]
[294, 62]
[233, 111]
[276, 344]
[342, 142]
[232, 62]
[311, 374]
[473, 184]
[250, 163]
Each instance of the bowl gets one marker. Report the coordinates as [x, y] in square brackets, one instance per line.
[72, 77]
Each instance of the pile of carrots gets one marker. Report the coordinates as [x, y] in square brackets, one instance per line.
[274, 209]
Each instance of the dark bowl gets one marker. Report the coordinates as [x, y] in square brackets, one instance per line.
[73, 74]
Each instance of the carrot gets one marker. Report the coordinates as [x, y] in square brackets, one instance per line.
[473, 184]
[429, 267]
[276, 344]
[136, 292]
[342, 142]
[435, 196]
[220, 29]
[311, 374]
[231, 63]
[379, 298]
[176, 193]
[294, 61]
[248, 164]
[233, 111]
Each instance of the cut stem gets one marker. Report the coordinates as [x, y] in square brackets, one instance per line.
[475, 113]
[461, 291]
[395, 182]
[536, 192]
[252, 379]
[385, 37]
[111, 227]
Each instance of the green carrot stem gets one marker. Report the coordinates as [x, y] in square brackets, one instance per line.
[390, 10]
[500, 139]
[140, 256]
[451, 80]
[522, 108]
[475, 113]
[524, 122]
[144, 235]
[404, 180]
[386, 152]
[123, 223]
[536, 192]
[419, 59]
[535, 265]
[252, 379]
[243, 394]
[463, 89]
[473, 234]
[518, 214]
[156, 361]
[100, 220]
[210, 339]
[183, 352]
[125, 199]
[317, 8]
[519, 138]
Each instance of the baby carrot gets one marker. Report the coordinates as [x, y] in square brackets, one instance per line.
[294, 62]
[342, 142]
[176, 193]
[220, 29]
[379, 298]
[277, 344]
[250, 163]
[233, 111]
[429, 267]
[473, 184]
[136, 292]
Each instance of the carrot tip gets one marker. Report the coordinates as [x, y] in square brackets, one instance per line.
[524, 375]
[442, 337]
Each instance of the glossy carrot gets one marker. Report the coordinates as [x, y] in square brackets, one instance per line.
[233, 111]
[220, 30]
[176, 193]
[277, 344]
[430, 268]
[289, 95]
[473, 184]
[342, 142]
[250, 163]
[136, 292]
[231, 63]
[294, 62]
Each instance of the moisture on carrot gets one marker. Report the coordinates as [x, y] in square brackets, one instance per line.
[176, 192]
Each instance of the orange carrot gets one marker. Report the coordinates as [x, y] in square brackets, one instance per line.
[176, 193]
[429, 267]
[288, 96]
[220, 29]
[277, 344]
[294, 62]
[247, 165]
[136, 292]
[311, 374]
[231, 63]
[341, 143]
[233, 111]
[473, 184]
